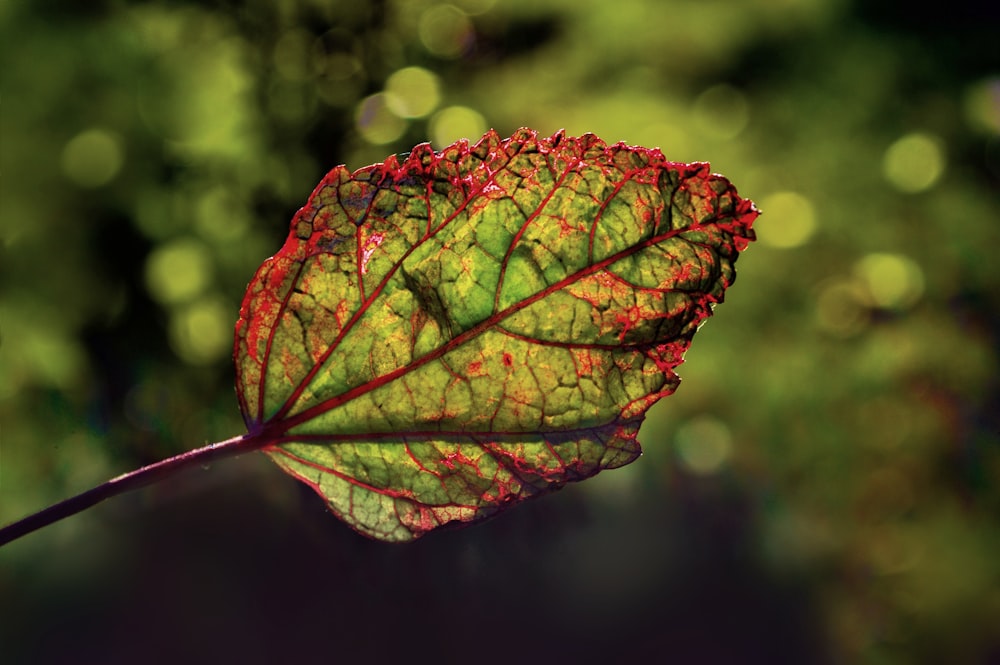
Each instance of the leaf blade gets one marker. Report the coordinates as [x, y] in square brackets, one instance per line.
[511, 292]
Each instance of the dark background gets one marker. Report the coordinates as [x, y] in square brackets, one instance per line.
[821, 489]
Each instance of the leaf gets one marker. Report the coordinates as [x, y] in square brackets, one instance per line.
[446, 334]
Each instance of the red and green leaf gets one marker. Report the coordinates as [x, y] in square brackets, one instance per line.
[446, 334]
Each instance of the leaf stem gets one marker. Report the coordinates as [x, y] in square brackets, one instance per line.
[132, 480]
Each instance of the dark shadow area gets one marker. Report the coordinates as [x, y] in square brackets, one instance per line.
[217, 573]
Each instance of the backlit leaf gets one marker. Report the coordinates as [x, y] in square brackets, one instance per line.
[446, 334]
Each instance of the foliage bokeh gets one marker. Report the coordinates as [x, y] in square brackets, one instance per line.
[822, 487]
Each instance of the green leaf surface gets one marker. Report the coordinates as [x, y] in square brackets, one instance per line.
[448, 333]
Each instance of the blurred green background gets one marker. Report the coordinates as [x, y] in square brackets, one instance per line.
[823, 488]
